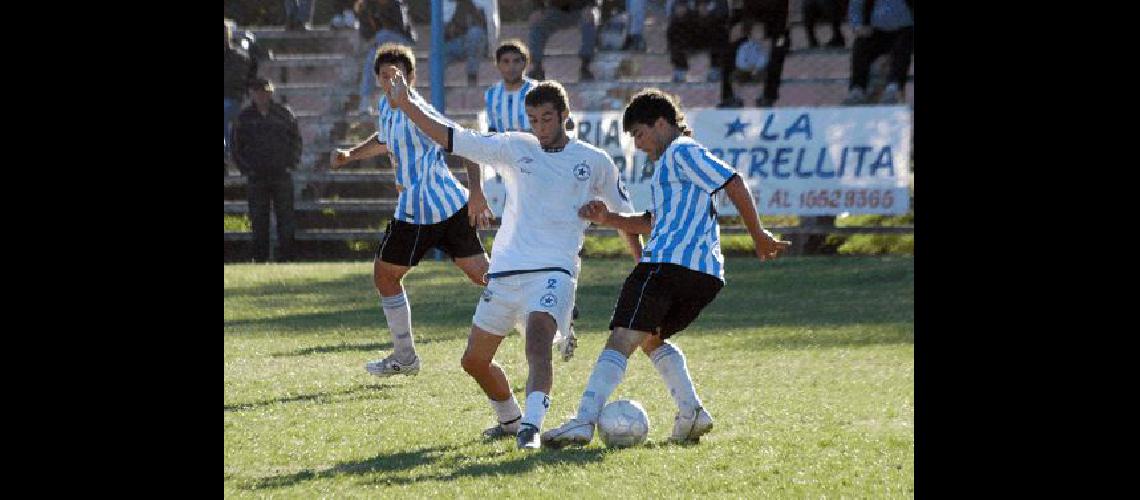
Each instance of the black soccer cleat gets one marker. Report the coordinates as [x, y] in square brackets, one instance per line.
[529, 438]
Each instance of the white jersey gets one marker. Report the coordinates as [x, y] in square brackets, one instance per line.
[541, 227]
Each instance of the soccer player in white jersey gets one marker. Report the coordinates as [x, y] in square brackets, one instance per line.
[506, 113]
[534, 264]
[681, 269]
[433, 210]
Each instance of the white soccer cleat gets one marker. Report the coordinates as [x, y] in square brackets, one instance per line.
[690, 428]
[573, 432]
[566, 344]
[390, 366]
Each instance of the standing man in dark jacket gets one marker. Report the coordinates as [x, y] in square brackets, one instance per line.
[238, 70]
[267, 147]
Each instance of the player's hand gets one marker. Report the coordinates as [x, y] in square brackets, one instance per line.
[340, 158]
[770, 247]
[396, 88]
[479, 213]
[594, 211]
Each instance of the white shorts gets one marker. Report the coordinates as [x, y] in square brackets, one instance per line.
[508, 301]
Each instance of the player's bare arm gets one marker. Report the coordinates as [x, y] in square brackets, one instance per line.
[367, 149]
[595, 211]
[392, 79]
[479, 212]
[767, 246]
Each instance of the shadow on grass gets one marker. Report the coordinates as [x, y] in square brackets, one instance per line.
[380, 463]
[342, 347]
[323, 397]
[520, 462]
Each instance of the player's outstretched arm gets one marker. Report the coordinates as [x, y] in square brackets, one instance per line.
[597, 212]
[767, 246]
[367, 149]
[397, 90]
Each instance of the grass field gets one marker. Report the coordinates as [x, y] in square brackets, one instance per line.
[806, 364]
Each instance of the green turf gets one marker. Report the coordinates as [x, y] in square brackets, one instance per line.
[807, 365]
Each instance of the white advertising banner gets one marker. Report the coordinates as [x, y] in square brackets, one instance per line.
[796, 161]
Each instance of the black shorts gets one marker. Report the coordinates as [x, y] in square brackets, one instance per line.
[404, 244]
[663, 298]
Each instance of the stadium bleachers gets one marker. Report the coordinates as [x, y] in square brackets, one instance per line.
[317, 74]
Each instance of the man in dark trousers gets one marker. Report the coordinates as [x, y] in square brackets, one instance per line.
[267, 147]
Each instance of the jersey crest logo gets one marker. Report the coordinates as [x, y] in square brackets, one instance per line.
[486, 295]
[582, 171]
[526, 159]
[548, 300]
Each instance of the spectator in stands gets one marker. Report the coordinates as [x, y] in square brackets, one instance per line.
[698, 25]
[554, 15]
[299, 14]
[381, 21]
[881, 27]
[774, 15]
[465, 35]
[832, 11]
[267, 147]
[635, 21]
[238, 67]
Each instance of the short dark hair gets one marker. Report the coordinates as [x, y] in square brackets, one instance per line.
[512, 45]
[393, 53]
[548, 91]
[647, 106]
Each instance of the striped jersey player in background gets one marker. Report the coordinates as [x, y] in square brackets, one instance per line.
[534, 264]
[433, 210]
[681, 269]
[505, 109]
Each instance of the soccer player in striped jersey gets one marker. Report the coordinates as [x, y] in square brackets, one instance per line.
[681, 269]
[504, 100]
[534, 265]
[433, 210]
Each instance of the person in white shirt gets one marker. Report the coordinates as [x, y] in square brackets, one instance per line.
[549, 177]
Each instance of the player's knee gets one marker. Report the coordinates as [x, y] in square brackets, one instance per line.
[474, 365]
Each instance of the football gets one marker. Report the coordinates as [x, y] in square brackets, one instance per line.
[623, 423]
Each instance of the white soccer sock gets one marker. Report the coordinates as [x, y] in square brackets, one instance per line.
[537, 403]
[399, 315]
[508, 413]
[607, 374]
[670, 363]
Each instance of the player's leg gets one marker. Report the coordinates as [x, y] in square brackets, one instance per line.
[607, 374]
[494, 317]
[478, 361]
[401, 249]
[692, 419]
[550, 299]
[540, 330]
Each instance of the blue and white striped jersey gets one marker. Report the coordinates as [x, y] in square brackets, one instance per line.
[685, 230]
[505, 111]
[428, 192]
